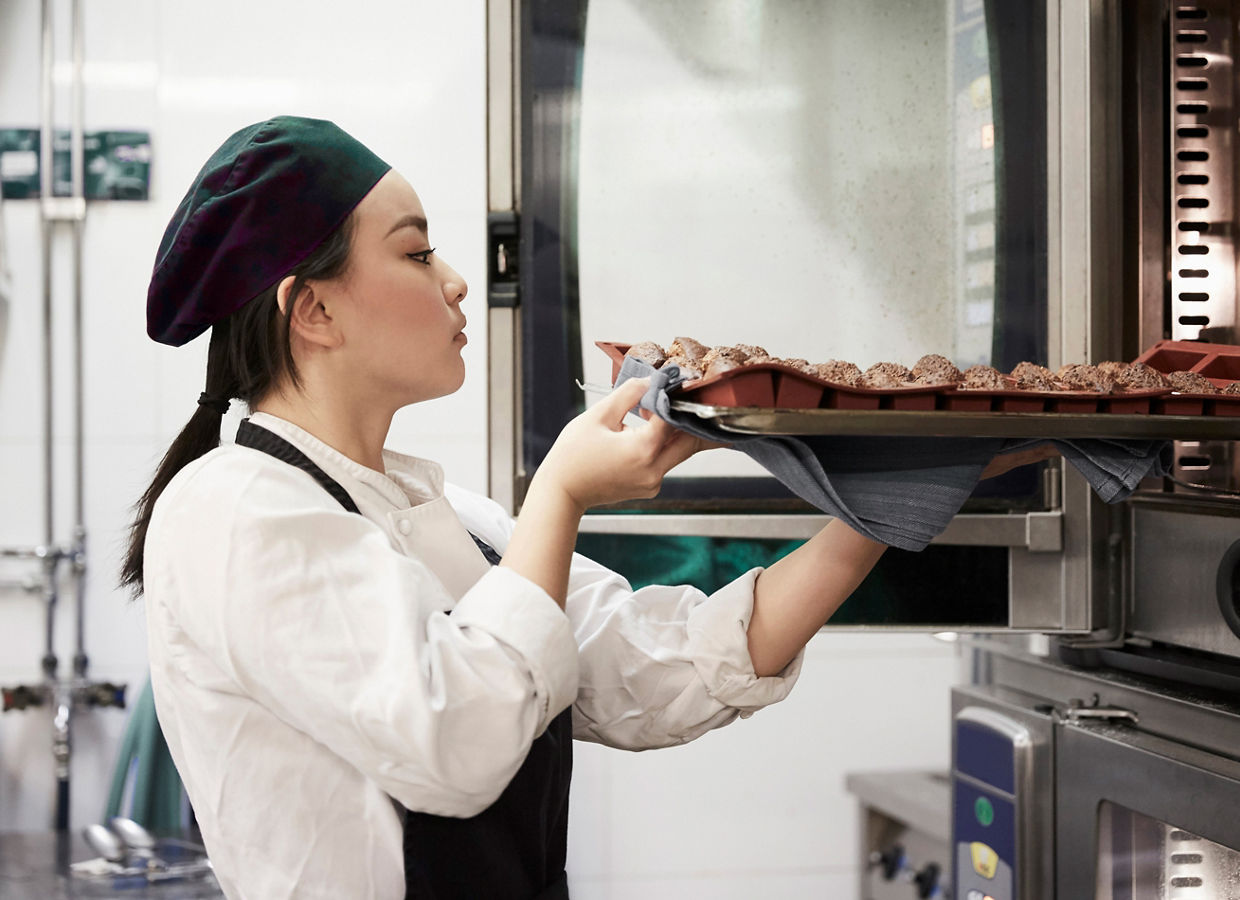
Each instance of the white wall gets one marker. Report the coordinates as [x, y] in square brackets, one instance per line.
[757, 804]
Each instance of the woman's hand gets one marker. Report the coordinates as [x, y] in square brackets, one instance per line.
[597, 459]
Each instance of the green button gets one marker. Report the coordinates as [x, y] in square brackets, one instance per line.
[984, 811]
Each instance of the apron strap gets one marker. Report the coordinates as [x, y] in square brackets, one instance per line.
[251, 435]
[258, 438]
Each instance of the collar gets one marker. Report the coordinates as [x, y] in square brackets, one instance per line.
[407, 481]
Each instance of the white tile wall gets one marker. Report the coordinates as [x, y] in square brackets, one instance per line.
[758, 806]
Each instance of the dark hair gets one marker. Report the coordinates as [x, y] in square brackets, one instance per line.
[249, 355]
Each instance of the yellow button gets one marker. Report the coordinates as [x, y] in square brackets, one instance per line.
[984, 859]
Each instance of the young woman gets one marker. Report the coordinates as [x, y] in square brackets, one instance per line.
[370, 680]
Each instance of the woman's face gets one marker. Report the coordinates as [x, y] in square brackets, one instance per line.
[398, 305]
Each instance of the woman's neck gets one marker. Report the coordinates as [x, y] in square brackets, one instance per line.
[351, 428]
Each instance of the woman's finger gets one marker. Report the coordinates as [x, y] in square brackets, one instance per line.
[616, 405]
[679, 447]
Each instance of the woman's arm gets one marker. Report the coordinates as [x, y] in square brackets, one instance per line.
[796, 596]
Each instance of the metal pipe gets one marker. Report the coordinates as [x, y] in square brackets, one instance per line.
[77, 153]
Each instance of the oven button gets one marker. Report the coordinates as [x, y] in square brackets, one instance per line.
[984, 810]
[985, 860]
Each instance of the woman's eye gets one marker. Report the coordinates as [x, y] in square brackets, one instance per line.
[422, 256]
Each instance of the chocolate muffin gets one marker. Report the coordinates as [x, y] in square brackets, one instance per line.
[1113, 369]
[885, 375]
[688, 348]
[690, 369]
[719, 365]
[1082, 377]
[1191, 383]
[1140, 377]
[648, 352]
[935, 369]
[1233, 388]
[837, 371]
[733, 355]
[982, 378]
[1032, 372]
[799, 364]
[753, 353]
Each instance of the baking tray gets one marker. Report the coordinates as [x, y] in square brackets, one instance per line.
[757, 420]
[771, 398]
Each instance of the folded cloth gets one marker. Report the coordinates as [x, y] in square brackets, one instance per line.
[901, 491]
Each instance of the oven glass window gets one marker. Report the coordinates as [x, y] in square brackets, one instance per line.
[827, 179]
[1141, 858]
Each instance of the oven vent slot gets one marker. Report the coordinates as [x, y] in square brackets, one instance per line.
[1202, 283]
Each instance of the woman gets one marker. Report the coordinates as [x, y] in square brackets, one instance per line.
[369, 680]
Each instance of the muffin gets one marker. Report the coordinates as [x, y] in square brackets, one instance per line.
[982, 378]
[1191, 383]
[753, 353]
[1140, 377]
[720, 364]
[935, 369]
[733, 355]
[1112, 369]
[885, 375]
[648, 352]
[1082, 377]
[837, 371]
[1233, 388]
[690, 369]
[1033, 377]
[799, 364]
[688, 348]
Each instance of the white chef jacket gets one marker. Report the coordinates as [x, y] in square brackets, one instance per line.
[305, 668]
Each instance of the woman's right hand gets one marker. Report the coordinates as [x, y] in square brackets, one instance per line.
[597, 459]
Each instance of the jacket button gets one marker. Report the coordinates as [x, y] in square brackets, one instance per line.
[405, 526]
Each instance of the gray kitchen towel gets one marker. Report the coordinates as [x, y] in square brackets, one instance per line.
[901, 491]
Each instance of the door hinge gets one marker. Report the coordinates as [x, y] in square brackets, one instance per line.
[503, 269]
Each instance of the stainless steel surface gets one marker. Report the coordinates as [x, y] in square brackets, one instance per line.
[1178, 713]
[904, 813]
[1032, 734]
[1038, 532]
[35, 866]
[757, 420]
[503, 406]
[501, 100]
[1203, 286]
[1169, 781]
[1174, 559]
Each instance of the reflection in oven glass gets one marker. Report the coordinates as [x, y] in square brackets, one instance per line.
[1140, 858]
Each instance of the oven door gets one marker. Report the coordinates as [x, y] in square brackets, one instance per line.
[835, 179]
[1140, 817]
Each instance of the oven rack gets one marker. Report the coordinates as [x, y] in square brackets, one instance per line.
[760, 420]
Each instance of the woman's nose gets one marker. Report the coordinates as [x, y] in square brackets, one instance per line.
[454, 286]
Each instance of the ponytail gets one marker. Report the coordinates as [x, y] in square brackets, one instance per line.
[249, 355]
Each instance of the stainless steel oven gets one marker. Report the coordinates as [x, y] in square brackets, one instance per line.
[1049, 180]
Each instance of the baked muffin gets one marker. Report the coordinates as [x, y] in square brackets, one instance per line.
[648, 352]
[688, 348]
[837, 371]
[734, 355]
[935, 369]
[799, 364]
[982, 378]
[690, 369]
[1191, 383]
[1140, 377]
[885, 375]
[1083, 377]
[1112, 369]
[1033, 377]
[720, 364]
[1233, 388]
[753, 353]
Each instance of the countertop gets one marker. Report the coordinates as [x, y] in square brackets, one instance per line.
[35, 866]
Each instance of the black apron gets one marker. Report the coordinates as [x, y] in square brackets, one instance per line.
[514, 849]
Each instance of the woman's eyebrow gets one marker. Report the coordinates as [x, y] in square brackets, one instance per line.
[409, 221]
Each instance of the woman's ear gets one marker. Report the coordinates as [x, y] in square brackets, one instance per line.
[310, 320]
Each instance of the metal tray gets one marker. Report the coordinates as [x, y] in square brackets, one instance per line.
[759, 420]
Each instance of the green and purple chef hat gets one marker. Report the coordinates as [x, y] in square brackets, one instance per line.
[262, 203]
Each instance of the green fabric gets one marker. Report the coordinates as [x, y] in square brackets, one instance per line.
[157, 795]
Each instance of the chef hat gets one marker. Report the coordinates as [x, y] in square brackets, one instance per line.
[262, 203]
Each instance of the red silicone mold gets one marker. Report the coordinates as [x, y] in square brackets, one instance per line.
[774, 385]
